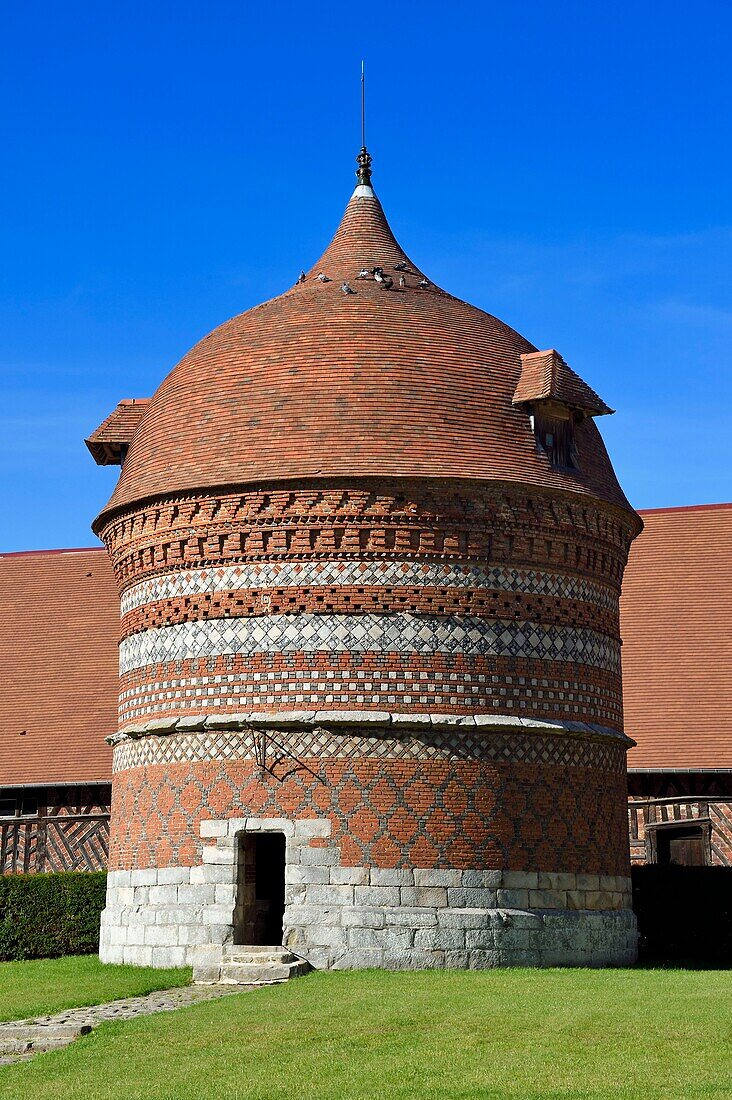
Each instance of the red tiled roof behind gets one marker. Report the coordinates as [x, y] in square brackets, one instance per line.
[59, 623]
[318, 383]
[676, 624]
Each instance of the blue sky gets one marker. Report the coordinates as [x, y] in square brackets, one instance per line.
[565, 166]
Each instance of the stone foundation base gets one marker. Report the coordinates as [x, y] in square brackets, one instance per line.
[351, 917]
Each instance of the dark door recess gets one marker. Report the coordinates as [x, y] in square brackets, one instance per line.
[270, 887]
[682, 847]
[261, 889]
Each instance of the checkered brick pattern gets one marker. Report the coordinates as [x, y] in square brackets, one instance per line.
[322, 744]
[459, 813]
[367, 633]
[346, 573]
[537, 689]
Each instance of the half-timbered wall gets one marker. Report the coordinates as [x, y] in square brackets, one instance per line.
[54, 829]
[664, 803]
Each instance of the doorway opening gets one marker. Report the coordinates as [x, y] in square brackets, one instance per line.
[260, 895]
[684, 846]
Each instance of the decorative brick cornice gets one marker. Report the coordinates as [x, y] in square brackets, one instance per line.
[419, 521]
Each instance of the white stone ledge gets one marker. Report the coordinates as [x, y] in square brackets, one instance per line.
[372, 719]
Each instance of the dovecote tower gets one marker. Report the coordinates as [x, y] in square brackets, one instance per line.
[369, 547]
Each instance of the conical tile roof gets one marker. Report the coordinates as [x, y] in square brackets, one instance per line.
[321, 383]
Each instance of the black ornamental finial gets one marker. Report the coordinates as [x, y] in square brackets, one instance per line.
[363, 173]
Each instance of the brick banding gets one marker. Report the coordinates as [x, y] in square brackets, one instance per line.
[397, 633]
[245, 603]
[276, 576]
[540, 689]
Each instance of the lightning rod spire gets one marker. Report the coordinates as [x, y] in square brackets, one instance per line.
[363, 173]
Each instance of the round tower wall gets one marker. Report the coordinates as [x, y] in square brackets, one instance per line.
[418, 684]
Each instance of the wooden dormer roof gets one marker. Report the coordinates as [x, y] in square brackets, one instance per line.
[546, 377]
[109, 442]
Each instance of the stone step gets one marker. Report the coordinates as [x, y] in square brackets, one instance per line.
[258, 958]
[241, 973]
[33, 1041]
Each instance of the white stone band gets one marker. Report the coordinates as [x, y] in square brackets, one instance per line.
[288, 574]
[399, 633]
[369, 721]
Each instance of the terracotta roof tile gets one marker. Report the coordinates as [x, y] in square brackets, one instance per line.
[59, 623]
[116, 431]
[545, 376]
[320, 383]
[676, 623]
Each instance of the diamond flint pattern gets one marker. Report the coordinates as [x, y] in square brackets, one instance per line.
[288, 574]
[367, 633]
[320, 744]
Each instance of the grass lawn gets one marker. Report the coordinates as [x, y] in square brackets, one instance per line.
[645, 1034]
[44, 986]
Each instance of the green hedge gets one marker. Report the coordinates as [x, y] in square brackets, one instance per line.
[45, 916]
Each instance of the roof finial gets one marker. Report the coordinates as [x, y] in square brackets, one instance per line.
[363, 173]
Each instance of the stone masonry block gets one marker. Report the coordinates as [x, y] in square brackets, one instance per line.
[163, 895]
[389, 876]
[513, 899]
[411, 917]
[463, 918]
[377, 895]
[217, 873]
[330, 895]
[304, 915]
[393, 939]
[113, 954]
[225, 894]
[216, 855]
[173, 876]
[547, 899]
[557, 881]
[137, 955]
[168, 956]
[429, 876]
[297, 875]
[202, 894]
[214, 828]
[217, 914]
[436, 939]
[414, 960]
[424, 896]
[162, 935]
[319, 857]
[483, 880]
[365, 918]
[272, 825]
[320, 935]
[520, 880]
[194, 934]
[477, 898]
[360, 959]
[349, 876]
[148, 876]
[175, 914]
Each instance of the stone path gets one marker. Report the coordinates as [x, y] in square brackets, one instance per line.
[22, 1039]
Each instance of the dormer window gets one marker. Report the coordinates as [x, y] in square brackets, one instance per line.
[554, 435]
[557, 401]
